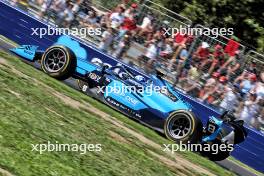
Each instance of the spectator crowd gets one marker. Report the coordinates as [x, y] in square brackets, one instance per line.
[214, 74]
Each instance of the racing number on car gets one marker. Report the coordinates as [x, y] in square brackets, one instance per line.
[84, 88]
[211, 128]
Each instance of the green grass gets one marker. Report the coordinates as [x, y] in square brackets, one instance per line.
[31, 114]
[245, 166]
[9, 41]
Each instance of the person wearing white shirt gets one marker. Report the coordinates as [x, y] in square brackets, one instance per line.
[152, 51]
[117, 18]
[230, 100]
[146, 22]
[250, 109]
[107, 38]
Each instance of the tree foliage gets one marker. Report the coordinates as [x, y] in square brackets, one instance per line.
[246, 17]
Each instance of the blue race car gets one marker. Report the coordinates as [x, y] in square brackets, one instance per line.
[150, 99]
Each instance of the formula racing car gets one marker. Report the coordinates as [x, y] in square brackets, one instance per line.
[149, 99]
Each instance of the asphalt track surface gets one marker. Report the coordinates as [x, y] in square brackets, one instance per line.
[227, 164]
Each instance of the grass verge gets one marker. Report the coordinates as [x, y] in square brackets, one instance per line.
[31, 114]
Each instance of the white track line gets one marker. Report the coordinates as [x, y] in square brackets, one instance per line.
[8, 42]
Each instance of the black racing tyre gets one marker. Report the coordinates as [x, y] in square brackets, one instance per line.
[216, 156]
[83, 85]
[183, 126]
[219, 156]
[58, 62]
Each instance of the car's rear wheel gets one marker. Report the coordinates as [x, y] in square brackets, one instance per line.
[183, 126]
[58, 62]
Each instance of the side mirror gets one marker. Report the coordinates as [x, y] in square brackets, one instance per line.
[124, 76]
[228, 117]
[239, 122]
[223, 115]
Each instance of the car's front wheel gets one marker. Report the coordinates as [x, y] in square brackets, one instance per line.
[183, 126]
[58, 62]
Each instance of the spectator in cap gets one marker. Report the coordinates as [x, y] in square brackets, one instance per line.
[202, 53]
[220, 89]
[247, 84]
[131, 11]
[117, 18]
[251, 69]
[129, 24]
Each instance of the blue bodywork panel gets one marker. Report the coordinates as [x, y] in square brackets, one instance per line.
[26, 51]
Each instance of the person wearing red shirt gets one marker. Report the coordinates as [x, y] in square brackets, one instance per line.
[180, 38]
[218, 59]
[201, 53]
[129, 23]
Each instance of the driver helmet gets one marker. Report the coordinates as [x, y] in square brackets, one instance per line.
[140, 78]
